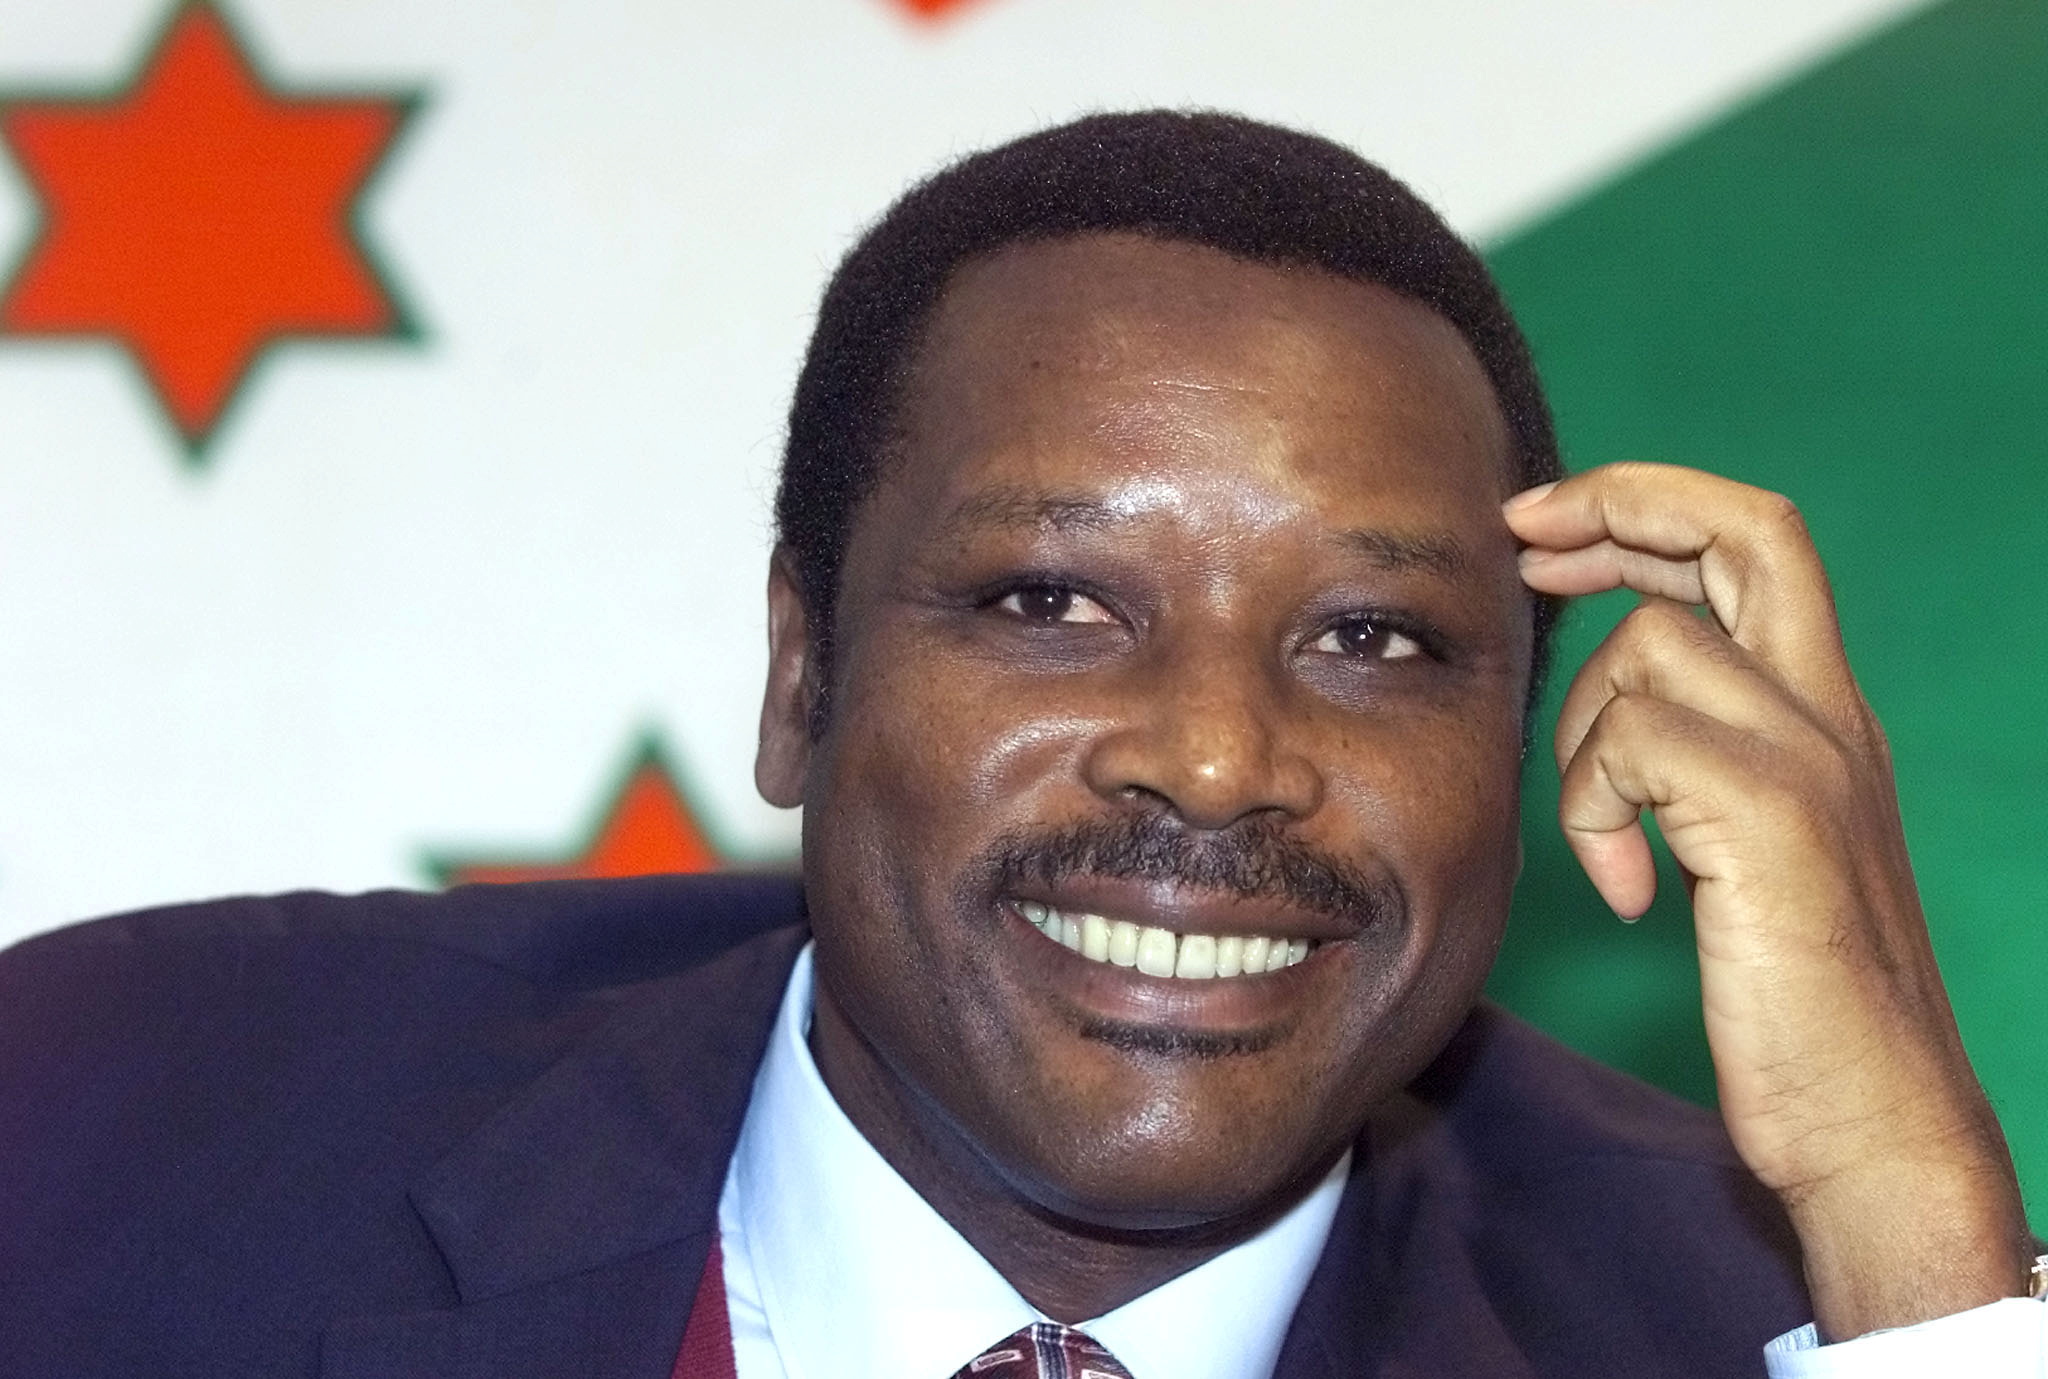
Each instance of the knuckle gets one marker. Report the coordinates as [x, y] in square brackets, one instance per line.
[1653, 627]
[1661, 623]
[1624, 473]
[1867, 730]
[1625, 715]
[1658, 638]
[1619, 484]
[1779, 514]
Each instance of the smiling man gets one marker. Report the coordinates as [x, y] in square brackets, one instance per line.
[1170, 527]
[1183, 626]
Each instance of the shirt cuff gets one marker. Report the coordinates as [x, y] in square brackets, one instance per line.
[2001, 1340]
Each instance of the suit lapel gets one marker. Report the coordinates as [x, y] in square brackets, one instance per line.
[575, 1222]
[1334, 1331]
[1398, 1293]
[621, 1320]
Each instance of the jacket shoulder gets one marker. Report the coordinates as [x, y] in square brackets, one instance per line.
[574, 934]
[1535, 1103]
[223, 1108]
[1608, 1226]
[288, 1010]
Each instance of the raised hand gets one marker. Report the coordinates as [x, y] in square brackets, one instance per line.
[1724, 704]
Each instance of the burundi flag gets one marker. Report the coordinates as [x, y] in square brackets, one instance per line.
[390, 394]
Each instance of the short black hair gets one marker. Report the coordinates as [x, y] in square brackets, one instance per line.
[1258, 191]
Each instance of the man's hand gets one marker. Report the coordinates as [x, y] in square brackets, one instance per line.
[1842, 1078]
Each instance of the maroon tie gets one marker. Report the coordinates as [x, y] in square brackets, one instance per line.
[1044, 1350]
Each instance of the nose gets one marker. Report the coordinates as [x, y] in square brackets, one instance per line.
[1211, 736]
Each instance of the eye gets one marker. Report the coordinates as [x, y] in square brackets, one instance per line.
[1052, 603]
[1367, 638]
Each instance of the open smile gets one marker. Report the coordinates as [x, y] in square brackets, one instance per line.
[1159, 952]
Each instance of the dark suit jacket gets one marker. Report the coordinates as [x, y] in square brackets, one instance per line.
[484, 1134]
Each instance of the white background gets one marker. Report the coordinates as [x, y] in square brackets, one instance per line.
[427, 596]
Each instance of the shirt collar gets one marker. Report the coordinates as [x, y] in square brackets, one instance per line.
[833, 1232]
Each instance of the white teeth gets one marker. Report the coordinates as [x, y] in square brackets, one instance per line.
[1229, 955]
[1155, 952]
[1161, 952]
[1095, 938]
[1123, 943]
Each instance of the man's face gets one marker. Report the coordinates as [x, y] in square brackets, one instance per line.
[1185, 613]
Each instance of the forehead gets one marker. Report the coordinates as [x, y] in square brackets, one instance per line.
[1143, 351]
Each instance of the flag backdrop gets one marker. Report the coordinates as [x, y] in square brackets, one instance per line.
[390, 393]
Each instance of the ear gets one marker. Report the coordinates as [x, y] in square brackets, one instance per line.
[784, 756]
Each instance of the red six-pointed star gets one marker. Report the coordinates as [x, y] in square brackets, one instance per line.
[199, 217]
[645, 829]
[930, 9]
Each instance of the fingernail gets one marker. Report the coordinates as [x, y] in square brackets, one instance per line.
[1535, 555]
[1528, 497]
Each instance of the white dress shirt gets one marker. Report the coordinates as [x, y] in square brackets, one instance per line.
[835, 1268]
[2002, 1340]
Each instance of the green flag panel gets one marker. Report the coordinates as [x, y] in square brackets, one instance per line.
[1839, 292]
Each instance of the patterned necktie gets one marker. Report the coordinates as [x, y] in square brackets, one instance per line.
[1044, 1350]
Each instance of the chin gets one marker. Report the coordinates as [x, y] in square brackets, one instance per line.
[1154, 1170]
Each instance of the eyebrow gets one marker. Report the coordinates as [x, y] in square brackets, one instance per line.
[1021, 509]
[1438, 553]
[1013, 509]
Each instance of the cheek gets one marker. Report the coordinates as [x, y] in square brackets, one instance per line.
[926, 763]
[1443, 808]
[949, 740]
[1439, 789]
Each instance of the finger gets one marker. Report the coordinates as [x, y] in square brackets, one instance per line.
[1664, 650]
[1617, 860]
[1603, 825]
[1603, 565]
[1756, 567]
[1637, 755]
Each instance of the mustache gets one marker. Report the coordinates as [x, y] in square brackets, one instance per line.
[1255, 859]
